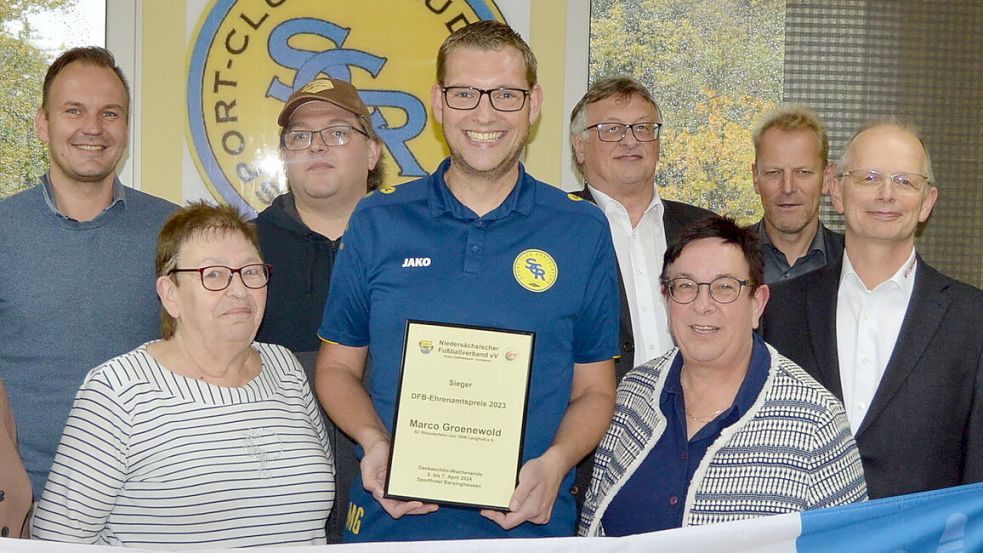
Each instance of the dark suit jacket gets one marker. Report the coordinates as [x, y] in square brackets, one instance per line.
[924, 428]
[675, 216]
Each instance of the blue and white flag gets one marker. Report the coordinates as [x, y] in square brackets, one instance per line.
[941, 521]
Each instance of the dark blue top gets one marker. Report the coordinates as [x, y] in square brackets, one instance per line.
[415, 252]
[302, 260]
[654, 497]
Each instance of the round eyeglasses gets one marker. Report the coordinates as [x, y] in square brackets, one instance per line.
[616, 132]
[335, 135]
[723, 289]
[218, 277]
[902, 182]
[468, 97]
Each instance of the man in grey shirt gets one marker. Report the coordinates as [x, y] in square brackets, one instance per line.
[76, 254]
[791, 173]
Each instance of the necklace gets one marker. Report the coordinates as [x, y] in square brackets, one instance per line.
[705, 418]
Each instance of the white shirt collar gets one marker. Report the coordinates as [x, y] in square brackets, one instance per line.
[903, 279]
[611, 206]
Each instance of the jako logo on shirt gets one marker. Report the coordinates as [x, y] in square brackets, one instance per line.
[416, 262]
[535, 270]
[248, 57]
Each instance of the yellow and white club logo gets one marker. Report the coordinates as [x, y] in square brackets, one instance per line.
[535, 270]
[248, 56]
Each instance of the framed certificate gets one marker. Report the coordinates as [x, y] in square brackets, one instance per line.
[460, 415]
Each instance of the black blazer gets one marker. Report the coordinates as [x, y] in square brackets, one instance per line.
[924, 428]
[675, 216]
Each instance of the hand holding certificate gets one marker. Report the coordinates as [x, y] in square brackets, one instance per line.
[374, 466]
[460, 415]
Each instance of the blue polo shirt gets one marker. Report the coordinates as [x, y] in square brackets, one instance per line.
[416, 252]
[654, 497]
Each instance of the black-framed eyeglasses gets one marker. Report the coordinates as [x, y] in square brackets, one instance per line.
[335, 135]
[723, 289]
[219, 277]
[468, 97]
[615, 132]
[903, 182]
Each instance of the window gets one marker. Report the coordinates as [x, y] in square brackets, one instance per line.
[32, 34]
[714, 66]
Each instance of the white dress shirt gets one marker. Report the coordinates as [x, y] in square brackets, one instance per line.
[640, 251]
[867, 327]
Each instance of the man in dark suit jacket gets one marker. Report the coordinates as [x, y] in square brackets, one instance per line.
[897, 341]
[615, 130]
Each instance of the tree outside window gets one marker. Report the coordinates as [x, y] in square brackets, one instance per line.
[713, 67]
[32, 34]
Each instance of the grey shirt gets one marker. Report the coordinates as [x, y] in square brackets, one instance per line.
[72, 295]
[826, 247]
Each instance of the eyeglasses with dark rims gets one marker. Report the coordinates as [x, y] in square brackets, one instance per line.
[722, 289]
[616, 132]
[218, 277]
[468, 97]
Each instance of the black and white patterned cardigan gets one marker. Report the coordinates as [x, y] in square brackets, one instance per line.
[790, 452]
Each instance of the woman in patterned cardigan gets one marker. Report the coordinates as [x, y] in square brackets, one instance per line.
[722, 427]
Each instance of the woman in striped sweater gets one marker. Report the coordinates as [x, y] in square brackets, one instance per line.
[205, 439]
[722, 427]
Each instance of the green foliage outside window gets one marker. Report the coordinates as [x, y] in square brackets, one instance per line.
[713, 67]
[23, 158]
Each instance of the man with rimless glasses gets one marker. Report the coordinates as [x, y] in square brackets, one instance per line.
[482, 243]
[615, 136]
[897, 341]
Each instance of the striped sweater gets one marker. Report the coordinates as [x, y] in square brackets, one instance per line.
[791, 451]
[155, 460]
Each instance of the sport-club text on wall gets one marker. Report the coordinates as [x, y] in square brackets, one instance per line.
[248, 56]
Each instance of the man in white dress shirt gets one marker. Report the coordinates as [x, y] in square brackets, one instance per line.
[616, 141]
[615, 135]
[896, 340]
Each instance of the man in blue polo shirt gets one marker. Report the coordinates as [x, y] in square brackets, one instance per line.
[455, 247]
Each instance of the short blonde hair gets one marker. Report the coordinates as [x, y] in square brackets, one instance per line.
[789, 118]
